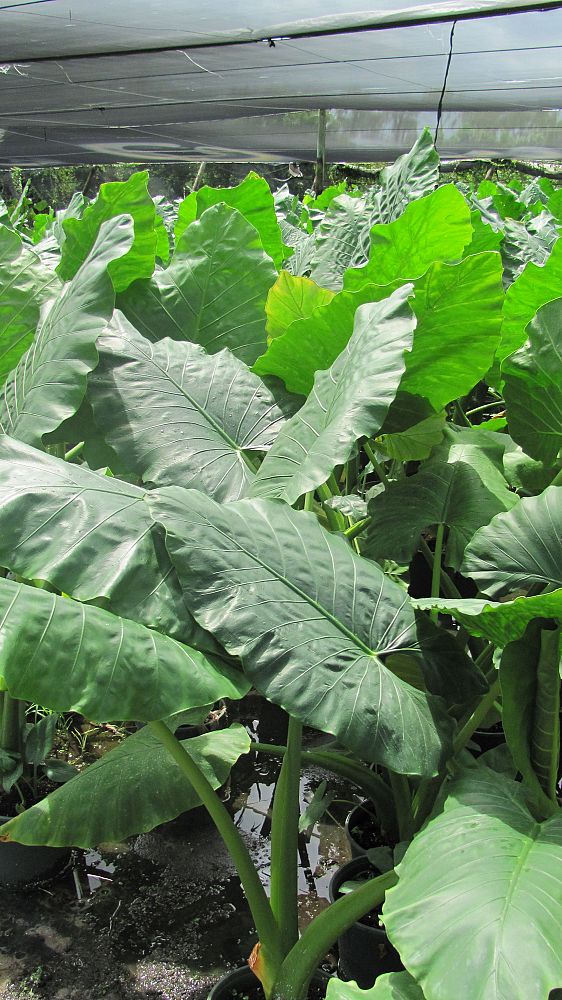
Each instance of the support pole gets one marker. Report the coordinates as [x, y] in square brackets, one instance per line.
[320, 172]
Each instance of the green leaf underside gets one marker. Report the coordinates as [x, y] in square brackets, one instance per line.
[499, 622]
[343, 236]
[292, 298]
[254, 200]
[25, 284]
[115, 198]
[129, 790]
[520, 548]
[391, 986]
[533, 386]
[91, 536]
[178, 416]
[458, 308]
[214, 291]
[434, 228]
[49, 643]
[347, 402]
[280, 591]
[478, 905]
[450, 494]
[533, 288]
[49, 382]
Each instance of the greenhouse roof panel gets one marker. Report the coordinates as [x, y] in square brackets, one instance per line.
[196, 80]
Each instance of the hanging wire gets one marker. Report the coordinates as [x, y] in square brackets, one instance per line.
[445, 78]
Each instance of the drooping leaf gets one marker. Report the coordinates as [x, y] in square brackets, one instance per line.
[115, 198]
[449, 494]
[316, 808]
[74, 657]
[214, 291]
[25, 284]
[482, 451]
[90, 536]
[178, 416]
[131, 789]
[292, 298]
[499, 622]
[313, 622]
[534, 287]
[390, 986]
[348, 401]
[478, 904]
[40, 737]
[434, 228]
[49, 382]
[344, 234]
[520, 548]
[533, 386]
[253, 199]
[530, 687]
[416, 442]
[527, 243]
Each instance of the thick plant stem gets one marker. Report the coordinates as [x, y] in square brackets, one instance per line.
[74, 451]
[303, 960]
[479, 714]
[284, 840]
[375, 463]
[436, 568]
[336, 521]
[357, 528]
[266, 926]
[13, 715]
[445, 581]
[403, 801]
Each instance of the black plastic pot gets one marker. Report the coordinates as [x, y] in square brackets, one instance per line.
[239, 982]
[355, 818]
[364, 952]
[22, 865]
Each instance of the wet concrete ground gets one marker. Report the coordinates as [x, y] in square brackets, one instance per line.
[163, 916]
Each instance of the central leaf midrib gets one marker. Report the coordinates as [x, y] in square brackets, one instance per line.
[306, 597]
[196, 406]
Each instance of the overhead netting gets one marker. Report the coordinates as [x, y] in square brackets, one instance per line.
[172, 80]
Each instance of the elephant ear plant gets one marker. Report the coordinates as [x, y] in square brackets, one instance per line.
[216, 526]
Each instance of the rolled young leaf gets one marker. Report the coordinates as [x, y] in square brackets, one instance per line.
[347, 402]
[176, 415]
[72, 657]
[316, 625]
[478, 904]
[131, 789]
[49, 382]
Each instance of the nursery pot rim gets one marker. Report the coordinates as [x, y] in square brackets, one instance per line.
[240, 976]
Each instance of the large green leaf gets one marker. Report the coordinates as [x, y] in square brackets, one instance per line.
[316, 625]
[533, 386]
[478, 905]
[115, 198]
[347, 402]
[214, 291]
[459, 319]
[25, 284]
[534, 287]
[344, 234]
[449, 494]
[525, 243]
[90, 536]
[254, 200]
[129, 790]
[178, 416]
[519, 549]
[49, 382]
[73, 657]
[500, 622]
[392, 986]
[434, 228]
[292, 298]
